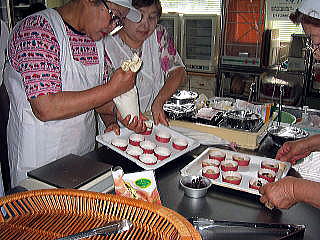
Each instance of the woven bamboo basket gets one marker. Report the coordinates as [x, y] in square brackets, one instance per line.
[55, 213]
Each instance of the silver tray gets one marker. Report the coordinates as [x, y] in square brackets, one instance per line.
[194, 168]
[106, 138]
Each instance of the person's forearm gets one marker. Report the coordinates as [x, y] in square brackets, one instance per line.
[308, 192]
[67, 104]
[175, 79]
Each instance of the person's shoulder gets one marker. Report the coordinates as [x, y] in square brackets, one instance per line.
[34, 21]
[161, 33]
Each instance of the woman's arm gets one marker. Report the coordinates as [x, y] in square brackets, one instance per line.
[174, 71]
[67, 104]
[175, 78]
[289, 191]
[292, 151]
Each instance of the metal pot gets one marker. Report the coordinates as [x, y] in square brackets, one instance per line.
[281, 134]
[242, 119]
[176, 111]
[182, 97]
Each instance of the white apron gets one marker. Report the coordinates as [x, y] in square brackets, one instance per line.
[150, 79]
[3, 45]
[33, 143]
[1, 185]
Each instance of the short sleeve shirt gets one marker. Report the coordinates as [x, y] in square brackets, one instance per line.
[169, 56]
[34, 52]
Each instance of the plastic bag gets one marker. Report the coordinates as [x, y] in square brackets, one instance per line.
[138, 185]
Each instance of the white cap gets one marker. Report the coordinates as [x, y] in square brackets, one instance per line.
[310, 8]
[133, 14]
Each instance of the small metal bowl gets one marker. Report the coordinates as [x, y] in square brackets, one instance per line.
[195, 186]
[281, 134]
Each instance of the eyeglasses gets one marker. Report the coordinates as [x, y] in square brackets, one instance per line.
[114, 19]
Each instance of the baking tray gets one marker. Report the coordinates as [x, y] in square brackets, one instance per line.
[225, 230]
[194, 168]
[106, 138]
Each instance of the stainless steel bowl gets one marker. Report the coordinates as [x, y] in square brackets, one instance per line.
[176, 111]
[192, 188]
[182, 97]
[241, 119]
[281, 134]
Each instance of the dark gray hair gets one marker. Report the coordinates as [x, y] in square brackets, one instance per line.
[146, 3]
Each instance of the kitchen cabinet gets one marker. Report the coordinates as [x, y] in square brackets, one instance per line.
[204, 83]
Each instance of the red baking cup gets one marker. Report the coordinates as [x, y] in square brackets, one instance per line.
[163, 137]
[134, 151]
[242, 160]
[211, 172]
[272, 165]
[120, 143]
[267, 174]
[180, 143]
[218, 155]
[232, 177]
[253, 181]
[147, 132]
[135, 139]
[148, 159]
[210, 162]
[162, 153]
[148, 146]
[229, 165]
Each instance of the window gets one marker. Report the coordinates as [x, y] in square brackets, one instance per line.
[286, 28]
[192, 6]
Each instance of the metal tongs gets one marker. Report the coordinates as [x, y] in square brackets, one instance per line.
[110, 228]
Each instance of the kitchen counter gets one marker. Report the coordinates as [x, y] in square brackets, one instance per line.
[220, 203]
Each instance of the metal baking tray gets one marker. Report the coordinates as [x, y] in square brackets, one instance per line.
[194, 168]
[225, 230]
[106, 138]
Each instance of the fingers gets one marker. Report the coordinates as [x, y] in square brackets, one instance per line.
[267, 202]
[163, 119]
[137, 125]
[142, 117]
[269, 205]
[113, 127]
[264, 199]
[159, 117]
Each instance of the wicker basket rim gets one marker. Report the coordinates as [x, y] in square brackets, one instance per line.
[183, 225]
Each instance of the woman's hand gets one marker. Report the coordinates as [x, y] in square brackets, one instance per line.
[293, 151]
[280, 194]
[159, 117]
[122, 81]
[113, 127]
[137, 124]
